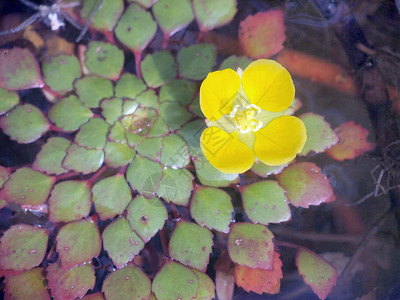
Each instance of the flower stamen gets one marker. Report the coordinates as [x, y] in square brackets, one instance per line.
[244, 118]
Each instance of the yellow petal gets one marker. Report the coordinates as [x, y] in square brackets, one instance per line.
[268, 85]
[225, 152]
[280, 141]
[217, 93]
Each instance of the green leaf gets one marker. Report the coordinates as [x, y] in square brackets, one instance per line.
[158, 68]
[19, 70]
[111, 109]
[173, 15]
[144, 175]
[148, 99]
[316, 272]
[136, 28]
[175, 281]
[195, 108]
[208, 175]
[83, 160]
[212, 14]
[27, 187]
[8, 100]
[121, 242]
[320, 135]
[212, 208]
[126, 284]
[196, 61]
[265, 202]
[61, 71]
[24, 124]
[251, 245]
[191, 132]
[206, 286]
[264, 170]
[145, 3]
[69, 114]
[146, 216]
[174, 152]
[150, 148]
[174, 114]
[78, 242]
[118, 154]
[70, 284]
[93, 134]
[50, 157]
[106, 16]
[191, 244]
[111, 195]
[27, 285]
[234, 62]
[178, 90]
[129, 86]
[69, 201]
[4, 175]
[140, 121]
[117, 133]
[176, 186]
[22, 247]
[159, 128]
[92, 89]
[104, 59]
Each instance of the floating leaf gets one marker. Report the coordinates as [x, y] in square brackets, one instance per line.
[264, 170]
[159, 128]
[129, 86]
[19, 70]
[320, 136]
[111, 195]
[27, 187]
[176, 186]
[82, 160]
[139, 122]
[22, 247]
[178, 90]
[117, 133]
[265, 202]
[50, 157]
[206, 286]
[196, 61]
[93, 134]
[27, 285]
[148, 99]
[174, 114]
[173, 15]
[104, 59]
[195, 108]
[150, 148]
[61, 71]
[305, 185]
[78, 242]
[146, 216]
[258, 280]
[121, 243]
[24, 124]
[70, 284]
[212, 14]
[212, 208]
[69, 201]
[251, 245]
[234, 62]
[175, 281]
[191, 244]
[144, 175]
[106, 16]
[208, 175]
[69, 114]
[158, 68]
[174, 152]
[8, 100]
[127, 283]
[191, 133]
[316, 272]
[4, 175]
[352, 142]
[111, 109]
[262, 35]
[92, 89]
[118, 155]
[136, 28]
[95, 296]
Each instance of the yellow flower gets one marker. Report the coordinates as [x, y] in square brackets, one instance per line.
[249, 118]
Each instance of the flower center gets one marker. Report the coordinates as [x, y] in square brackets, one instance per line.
[244, 118]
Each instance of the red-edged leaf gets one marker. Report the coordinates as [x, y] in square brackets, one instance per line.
[258, 280]
[352, 142]
[317, 272]
[263, 34]
[305, 185]
[27, 285]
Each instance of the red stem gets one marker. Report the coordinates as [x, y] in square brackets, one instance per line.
[165, 40]
[164, 244]
[110, 37]
[55, 128]
[175, 212]
[138, 56]
[67, 175]
[97, 174]
[122, 170]
[287, 244]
